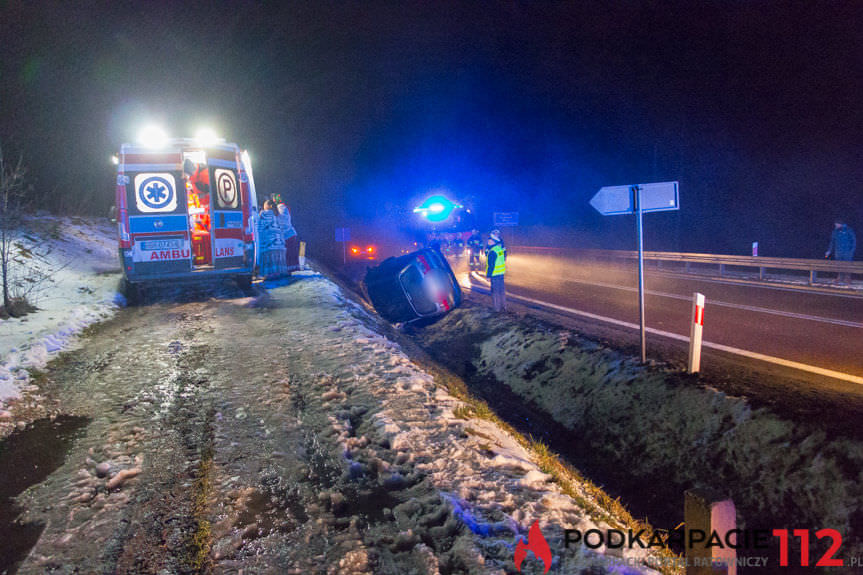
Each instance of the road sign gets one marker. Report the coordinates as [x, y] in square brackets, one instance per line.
[619, 200]
[637, 199]
[344, 235]
[613, 200]
[505, 219]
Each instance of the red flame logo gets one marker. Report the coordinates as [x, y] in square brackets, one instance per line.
[536, 543]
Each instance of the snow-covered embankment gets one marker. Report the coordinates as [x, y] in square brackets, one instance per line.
[663, 427]
[74, 261]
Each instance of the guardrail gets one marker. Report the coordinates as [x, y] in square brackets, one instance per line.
[723, 262]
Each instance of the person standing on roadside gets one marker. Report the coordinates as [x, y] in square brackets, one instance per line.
[474, 243]
[495, 254]
[843, 243]
[292, 242]
[271, 244]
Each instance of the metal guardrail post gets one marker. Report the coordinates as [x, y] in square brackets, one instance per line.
[721, 270]
[813, 275]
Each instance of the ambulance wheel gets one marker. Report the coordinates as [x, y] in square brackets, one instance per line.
[134, 292]
[244, 282]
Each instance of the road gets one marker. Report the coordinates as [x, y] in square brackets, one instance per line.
[822, 329]
[268, 432]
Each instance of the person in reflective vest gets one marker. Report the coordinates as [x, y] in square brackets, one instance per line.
[198, 195]
[495, 255]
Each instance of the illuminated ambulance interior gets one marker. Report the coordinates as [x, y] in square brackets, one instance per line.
[197, 180]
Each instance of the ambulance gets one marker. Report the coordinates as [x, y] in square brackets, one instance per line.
[185, 210]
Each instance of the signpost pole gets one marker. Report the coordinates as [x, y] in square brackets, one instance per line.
[637, 199]
[636, 191]
[343, 235]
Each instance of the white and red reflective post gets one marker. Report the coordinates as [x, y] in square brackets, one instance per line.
[695, 332]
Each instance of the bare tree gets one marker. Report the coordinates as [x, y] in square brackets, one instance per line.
[12, 198]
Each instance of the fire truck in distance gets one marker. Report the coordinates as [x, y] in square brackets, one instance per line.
[185, 209]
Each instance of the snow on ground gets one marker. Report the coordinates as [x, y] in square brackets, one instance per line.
[78, 259]
[780, 469]
[481, 478]
[480, 473]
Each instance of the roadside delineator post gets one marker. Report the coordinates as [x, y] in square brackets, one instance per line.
[695, 332]
[706, 512]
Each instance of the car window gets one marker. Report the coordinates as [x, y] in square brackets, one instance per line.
[412, 282]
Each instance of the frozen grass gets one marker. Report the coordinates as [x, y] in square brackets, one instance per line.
[662, 426]
[599, 506]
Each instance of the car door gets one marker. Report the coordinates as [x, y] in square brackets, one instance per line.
[227, 206]
[158, 219]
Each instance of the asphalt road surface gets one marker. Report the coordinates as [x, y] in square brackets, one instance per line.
[819, 328]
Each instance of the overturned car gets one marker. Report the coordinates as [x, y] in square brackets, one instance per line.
[415, 286]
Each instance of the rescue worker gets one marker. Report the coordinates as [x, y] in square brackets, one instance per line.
[198, 194]
[495, 254]
[458, 244]
[474, 243]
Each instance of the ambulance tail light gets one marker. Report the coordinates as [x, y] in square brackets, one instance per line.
[122, 212]
[246, 192]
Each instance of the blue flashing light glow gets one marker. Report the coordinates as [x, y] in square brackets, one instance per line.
[436, 208]
[461, 510]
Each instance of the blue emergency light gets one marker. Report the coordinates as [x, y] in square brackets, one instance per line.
[436, 208]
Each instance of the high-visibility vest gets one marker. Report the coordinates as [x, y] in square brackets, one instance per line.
[499, 261]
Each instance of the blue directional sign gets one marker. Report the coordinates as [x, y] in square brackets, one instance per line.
[502, 219]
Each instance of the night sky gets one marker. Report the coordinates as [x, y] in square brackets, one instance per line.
[354, 111]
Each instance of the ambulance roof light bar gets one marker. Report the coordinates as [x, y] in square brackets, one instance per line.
[153, 136]
[206, 137]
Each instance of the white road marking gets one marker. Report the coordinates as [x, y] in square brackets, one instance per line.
[714, 302]
[789, 286]
[750, 354]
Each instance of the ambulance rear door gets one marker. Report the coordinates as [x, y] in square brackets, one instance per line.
[157, 213]
[227, 207]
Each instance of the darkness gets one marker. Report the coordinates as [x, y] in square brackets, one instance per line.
[355, 111]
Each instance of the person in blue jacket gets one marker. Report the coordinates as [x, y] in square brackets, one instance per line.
[843, 243]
